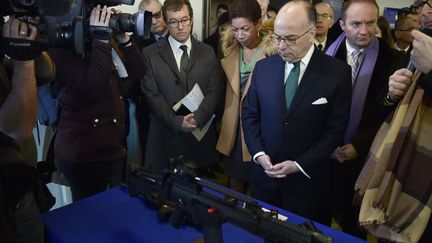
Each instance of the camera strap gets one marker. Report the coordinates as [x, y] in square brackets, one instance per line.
[101, 32]
[20, 49]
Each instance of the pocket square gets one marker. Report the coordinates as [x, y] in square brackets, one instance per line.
[320, 101]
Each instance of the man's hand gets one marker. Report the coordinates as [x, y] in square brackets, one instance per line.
[348, 152]
[265, 162]
[17, 29]
[399, 83]
[421, 55]
[18, 111]
[189, 123]
[100, 17]
[282, 169]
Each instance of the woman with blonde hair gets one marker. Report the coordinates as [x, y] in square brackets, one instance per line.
[244, 42]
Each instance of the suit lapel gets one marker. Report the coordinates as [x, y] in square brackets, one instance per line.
[168, 56]
[277, 77]
[195, 52]
[309, 78]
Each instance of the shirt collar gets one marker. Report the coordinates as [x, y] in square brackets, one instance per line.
[306, 59]
[322, 43]
[400, 49]
[157, 36]
[350, 48]
[175, 45]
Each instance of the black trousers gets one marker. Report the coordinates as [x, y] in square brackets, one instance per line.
[310, 207]
[89, 178]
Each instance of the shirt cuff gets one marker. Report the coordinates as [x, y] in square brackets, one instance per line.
[301, 169]
[258, 155]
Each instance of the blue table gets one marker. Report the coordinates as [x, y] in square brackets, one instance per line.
[114, 216]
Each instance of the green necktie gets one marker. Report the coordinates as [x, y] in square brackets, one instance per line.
[291, 84]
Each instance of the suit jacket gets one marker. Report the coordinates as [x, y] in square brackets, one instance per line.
[374, 112]
[306, 133]
[163, 87]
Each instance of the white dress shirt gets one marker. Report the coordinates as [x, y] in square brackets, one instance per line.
[323, 44]
[177, 51]
[350, 50]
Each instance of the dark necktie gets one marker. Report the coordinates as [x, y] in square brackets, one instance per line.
[291, 84]
[184, 64]
[320, 47]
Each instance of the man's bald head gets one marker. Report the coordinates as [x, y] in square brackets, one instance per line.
[295, 30]
[299, 10]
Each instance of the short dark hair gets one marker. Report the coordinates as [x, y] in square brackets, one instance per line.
[348, 3]
[248, 9]
[222, 6]
[175, 5]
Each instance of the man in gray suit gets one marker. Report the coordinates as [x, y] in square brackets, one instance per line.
[173, 66]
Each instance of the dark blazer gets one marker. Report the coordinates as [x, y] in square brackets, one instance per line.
[306, 133]
[92, 121]
[374, 112]
[162, 88]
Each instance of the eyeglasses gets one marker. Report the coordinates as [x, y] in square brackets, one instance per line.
[175, 23]
[409, 29]
[419, 4]
[289, 40]
[324, 16]
[157, 14]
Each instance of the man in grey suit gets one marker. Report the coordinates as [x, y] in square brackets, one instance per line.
[173, 66]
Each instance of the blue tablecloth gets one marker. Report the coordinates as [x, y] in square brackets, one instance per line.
[114, 216]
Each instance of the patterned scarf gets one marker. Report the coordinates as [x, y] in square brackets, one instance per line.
[396, 181]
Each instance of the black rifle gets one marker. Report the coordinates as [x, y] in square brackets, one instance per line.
[181, 196]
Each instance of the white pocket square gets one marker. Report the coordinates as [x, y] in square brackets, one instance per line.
[320, 101]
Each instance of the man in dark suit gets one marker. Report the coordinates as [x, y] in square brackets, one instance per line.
[172, 67]
[292, 131]
[157, 32]
[158, 28]
[372, 62]
[323, 23]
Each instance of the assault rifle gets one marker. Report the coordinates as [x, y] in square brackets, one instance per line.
[182, 196]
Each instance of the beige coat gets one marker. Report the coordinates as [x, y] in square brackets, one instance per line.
[233, 101]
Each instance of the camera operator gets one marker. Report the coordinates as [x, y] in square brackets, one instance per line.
[19, 216]
[89, 146]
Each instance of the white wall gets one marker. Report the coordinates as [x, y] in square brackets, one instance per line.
[198, 9]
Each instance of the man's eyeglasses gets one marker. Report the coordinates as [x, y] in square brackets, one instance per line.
[157, 14]
[175, 23]
[419, 4]
[289, 40]
[324, 16]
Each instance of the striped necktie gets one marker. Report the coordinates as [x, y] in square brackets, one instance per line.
[355, 66]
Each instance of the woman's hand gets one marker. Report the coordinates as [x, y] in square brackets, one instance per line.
[100, 17]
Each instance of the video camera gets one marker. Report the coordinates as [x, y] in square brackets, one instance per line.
[65, 24]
